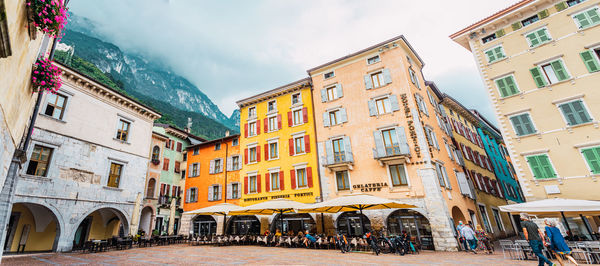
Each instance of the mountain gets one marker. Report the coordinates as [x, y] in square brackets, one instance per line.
[235, 118]
[138, 74]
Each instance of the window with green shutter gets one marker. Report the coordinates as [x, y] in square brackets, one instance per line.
[590, 60]
[538, 37]
[587, 18]
[540, 166]
[495, 54]
[575, 113]
[507, 86]
[522, 124]
[536, 73]
[549, 73]
[592, 157]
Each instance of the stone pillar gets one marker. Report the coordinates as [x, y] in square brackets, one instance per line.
[186, 224]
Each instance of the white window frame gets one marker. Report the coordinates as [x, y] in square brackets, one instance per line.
[121, 177]
[384, 98]
[334, 92]
[276, 141]
[276, 171]
[487, 216]
[502, 227]
[274, 101]
[276, 126]
[492, 48]
[519, 91]
[536, 30]
[297, 136]
[337, 116]
[372, 57]
[128, 120]
[301, 122]
[535, 128]
[255, 175]
[250, 116]
[299, 98]
[391, 182]
[234, 165]
[332, 74]
[255, 122]
[239, 190]
[531, 170]
[43, 144]
[583, 11]
[250, 147]
[296, 169]
[336, 181]
[587, 109]
[68, 96]
[541, 64]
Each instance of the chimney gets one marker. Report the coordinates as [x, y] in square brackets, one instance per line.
[227, 133]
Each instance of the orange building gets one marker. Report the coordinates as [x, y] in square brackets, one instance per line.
[212, 178]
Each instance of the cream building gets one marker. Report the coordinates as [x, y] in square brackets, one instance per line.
[540, 61]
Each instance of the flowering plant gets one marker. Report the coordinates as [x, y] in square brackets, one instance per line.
[46, 76]
[49, 16]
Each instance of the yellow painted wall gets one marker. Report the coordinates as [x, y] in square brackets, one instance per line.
[99, 231]
[36, 241]
[285, 161]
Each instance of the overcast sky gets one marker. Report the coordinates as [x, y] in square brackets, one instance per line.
[234, 49]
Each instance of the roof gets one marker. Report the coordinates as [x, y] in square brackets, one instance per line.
[281, 89]
[214, 141]
[180, 130]
[492, 17]
[435, 89]
[399, 37]
[487, 122]
[107, 87]
[447, 98]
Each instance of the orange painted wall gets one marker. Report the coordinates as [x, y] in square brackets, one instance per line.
[206, 153]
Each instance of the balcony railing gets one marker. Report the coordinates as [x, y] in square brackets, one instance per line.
[339, 158]
[391, 151]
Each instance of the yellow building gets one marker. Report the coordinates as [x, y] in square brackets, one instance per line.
[479, 169]
[539, 61]
[278, 146]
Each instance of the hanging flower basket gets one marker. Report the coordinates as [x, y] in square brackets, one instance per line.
[49, 16]
[45, 76]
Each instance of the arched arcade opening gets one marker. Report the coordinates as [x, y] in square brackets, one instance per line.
[414, 224]
[101, 224]
[31, 228]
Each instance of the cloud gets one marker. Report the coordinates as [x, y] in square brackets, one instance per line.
[233, 49]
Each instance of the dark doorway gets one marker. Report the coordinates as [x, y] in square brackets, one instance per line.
[82, 233]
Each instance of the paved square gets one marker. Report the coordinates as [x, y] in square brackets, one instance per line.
[183, 254]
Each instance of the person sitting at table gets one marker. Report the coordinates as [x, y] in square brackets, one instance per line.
[309, 239]
[557, 242]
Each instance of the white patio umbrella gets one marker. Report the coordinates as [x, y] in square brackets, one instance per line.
[355, 202]
[280, 206]
[217, 209]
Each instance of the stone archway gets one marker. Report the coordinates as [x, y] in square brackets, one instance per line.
[243, 225]
[348, 223]
[32, 228]
[204, 225]
[415, 224]
[457, 216]
[294, 223]
[99, 224]
[146, 218]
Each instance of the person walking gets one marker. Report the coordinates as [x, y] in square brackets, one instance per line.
[469, 235]
[557, 242]
[461, 238]
[484, 240]
[534, 235]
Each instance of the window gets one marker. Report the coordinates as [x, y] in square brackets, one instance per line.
[299, 145]
[252, 129]
[215, 192]
[114, 176]
[575, 113]
[217, 146]
[489, 38]
[216, 166]
[414, 78]
[507, 86]
[301, 177]
[343, 182]
[494, 54]
[328, 75]
[273, 150]
[499, 223]
[538, 37]
[274, 181]
[185, 156]
[398, 175]
[252, 155]
[440, 171]
[155, 153]
[571, 3]
[485, 218]
[540, 166]
[235, 163]
[383, 106]
[252, 184]
[296, 98]
[165, 164]
[123, 130]
[333, 117]
[194, 170]
[390, 141]
[331, 93]
[530, 20]
[235, 142]
[590, 59]
[39, 161]
[421, 104]
[273, 123]
[549, 73]
[373, 60]
[297, 116]
[592, 157]
[235, 190]
[271, 106]
[56, 106]
[251, 112]
[338, 150]
[587, 18]
[177, 167]
[196, 151]
[377, 79]
[431, 137]
[193, 197]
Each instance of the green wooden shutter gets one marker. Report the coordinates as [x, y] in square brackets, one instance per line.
[537, 77]
[543, 14]
[499, 52]
[533, 39]
[581, 112]
[561, 6]
[593, 15]
[511, 85]
[490, 55]
[527, 124]
[516, 121]
[583, 20]
[590, 61]
[502, 87]
[543, 35]
[569, 114]
[516, 26]
[535, 167]
[546, 166]
[559, 69]
[500, 33]
[592, 156]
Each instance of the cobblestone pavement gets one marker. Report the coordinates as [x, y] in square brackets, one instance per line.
[198, 255]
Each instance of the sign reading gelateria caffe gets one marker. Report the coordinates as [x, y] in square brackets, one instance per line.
[370, 187]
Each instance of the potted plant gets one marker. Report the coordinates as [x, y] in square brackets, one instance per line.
[45, 76]
[49, 16]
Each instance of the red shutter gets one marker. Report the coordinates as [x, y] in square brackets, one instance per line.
[245, 184]
[305, 114]
[258, 153]
[291, 146]
[267, 182]
[309, 178]
[162, 189]
[306, 144]
[289, 118]
[257, 127]
[257, 183]
[245, 130]
[179, 146]
[266, 125]
[168, 190]
[480, 141]
[293, 178]
[279, 121]
[166, 164]
[245, 156]
[281, 186]
[266, 151]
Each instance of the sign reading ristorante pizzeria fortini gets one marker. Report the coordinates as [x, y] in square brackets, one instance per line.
[370, 187]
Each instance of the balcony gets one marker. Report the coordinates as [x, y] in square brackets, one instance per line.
[399, 153]
[337, 161]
